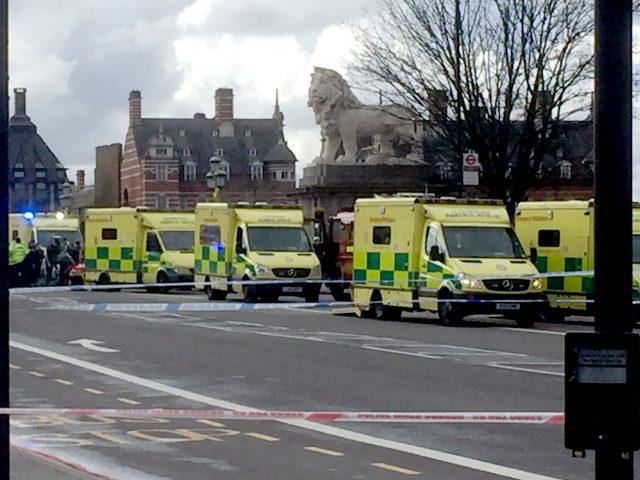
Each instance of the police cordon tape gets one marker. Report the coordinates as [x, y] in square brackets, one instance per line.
[536, 418]
[281, 282]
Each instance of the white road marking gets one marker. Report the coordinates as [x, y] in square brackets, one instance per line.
[458, 460]
[526, 369]
[530, 330]
[94, 345]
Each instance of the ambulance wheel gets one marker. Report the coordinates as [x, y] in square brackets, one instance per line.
[105, 279]
[447, 311]
[249, 293]
[215, 294]
[379, 311]
[162, 278]
[526, 321]
[551, 315]
[312, 295]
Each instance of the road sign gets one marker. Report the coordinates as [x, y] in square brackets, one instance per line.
[470, 159]
[470, 169]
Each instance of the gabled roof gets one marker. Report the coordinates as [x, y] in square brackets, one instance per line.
[196, 135]
[27, 147]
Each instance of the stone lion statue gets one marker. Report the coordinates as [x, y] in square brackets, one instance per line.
[343, 119]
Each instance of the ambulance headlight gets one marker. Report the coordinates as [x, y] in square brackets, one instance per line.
[316, 271]
[467, 281]
[536, 284]
[261, 269]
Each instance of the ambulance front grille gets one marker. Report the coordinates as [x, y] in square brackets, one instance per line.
[291, 272]
[507, 284]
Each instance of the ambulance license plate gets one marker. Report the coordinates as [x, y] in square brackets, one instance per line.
[507, 306]
[291, 289]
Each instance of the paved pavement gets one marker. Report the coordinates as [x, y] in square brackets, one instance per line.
[286, 359]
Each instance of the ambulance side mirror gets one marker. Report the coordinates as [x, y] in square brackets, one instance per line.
[435, 254]
[533, 254]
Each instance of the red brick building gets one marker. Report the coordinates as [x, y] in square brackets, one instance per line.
[165, 160]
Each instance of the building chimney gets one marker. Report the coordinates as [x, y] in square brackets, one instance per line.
[21, 102]
[224, 104]
[135, 107]
[80, 180]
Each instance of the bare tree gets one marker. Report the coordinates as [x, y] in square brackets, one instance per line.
[495, 76]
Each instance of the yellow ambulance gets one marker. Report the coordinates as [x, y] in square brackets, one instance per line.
[137, 245]
[448, 256]
[254, 243]
[42, 228]
[561, 232]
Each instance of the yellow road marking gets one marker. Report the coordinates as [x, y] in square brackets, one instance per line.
[36, 374]
[262, 436]
[324, 451]
[108, 437]
[130, 402]
[394, 468]
[94, 391]
[211, 423]
[15, 367]
[63, 382]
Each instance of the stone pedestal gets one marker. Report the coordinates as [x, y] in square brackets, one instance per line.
[334, 187]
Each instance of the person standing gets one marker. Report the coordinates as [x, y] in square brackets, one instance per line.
[53, 251]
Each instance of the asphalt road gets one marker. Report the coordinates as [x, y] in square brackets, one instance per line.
[285, 359]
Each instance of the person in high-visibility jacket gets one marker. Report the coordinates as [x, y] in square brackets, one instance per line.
[17, 254]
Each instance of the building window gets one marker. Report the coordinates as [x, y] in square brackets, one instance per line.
[256, 171]
[247, 133]
[284, 175]
[182, 133]
[215, 133]
[161, 151]
[565, 170]
[219, 152]
[189, 172]
[187, 152]
[253, 152]
[292, 175]
[18, 173]
[41, 174]
[162, 172]
[274, 175]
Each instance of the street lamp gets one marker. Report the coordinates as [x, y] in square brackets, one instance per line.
[66, 198]
[216, 177]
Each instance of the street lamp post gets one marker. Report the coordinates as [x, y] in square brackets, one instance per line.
[216, 177]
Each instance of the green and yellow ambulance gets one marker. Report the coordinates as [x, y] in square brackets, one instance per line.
[562, 234]
[255, 243]
[137, 245]
[447, 256]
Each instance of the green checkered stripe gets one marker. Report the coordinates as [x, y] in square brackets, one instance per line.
[212, 261]
[550, 264]
[383, 268]
[112, 259]
[436, 273]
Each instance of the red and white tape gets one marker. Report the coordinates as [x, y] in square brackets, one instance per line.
[538, 418]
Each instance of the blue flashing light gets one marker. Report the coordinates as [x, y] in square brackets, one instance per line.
[28, 216]
[220, 247]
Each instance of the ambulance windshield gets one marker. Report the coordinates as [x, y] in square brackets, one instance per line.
[483, 242]
[636, 249]
[177, 240]
[279, 239]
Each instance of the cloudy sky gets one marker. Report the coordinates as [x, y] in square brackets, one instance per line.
[79, 59]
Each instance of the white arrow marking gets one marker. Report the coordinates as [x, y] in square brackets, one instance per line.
[92, 345]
